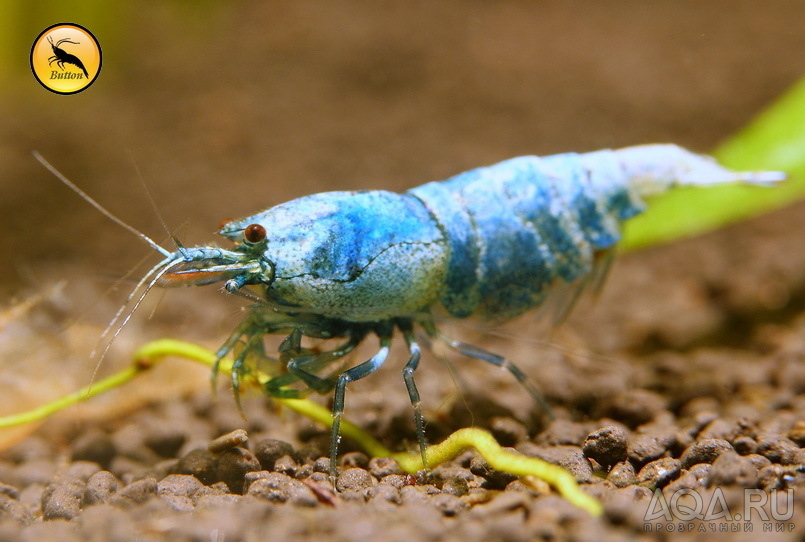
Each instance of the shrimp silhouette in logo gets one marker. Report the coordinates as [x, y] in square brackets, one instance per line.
[62, 57]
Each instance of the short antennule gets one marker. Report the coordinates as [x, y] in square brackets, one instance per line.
[108, 214]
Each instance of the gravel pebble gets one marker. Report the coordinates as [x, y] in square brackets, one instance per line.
[730, 468]
[250, 477]
[494, 479]
[507, 431]
[321, 478]
[179, 503]
[635, 407]
[797, 434]
[622, 474]
[181, 485]
[701, 420]
[758, 460]
[233, 464]
[415, 494]
[268, 450]
[354, 480]
[10, 507]
[561, 432]
[444, 473]
[778, 449]
[607, 445]
[395, 480]
[770, 477]
[455, 486]
[619, 505]
[449, 505]
[648, 447]
[63, 498]
[532, 486]
[570, 457]
[579, 466]
[100, 487]
[279, 488]
[658, 473]
[704, 451]
[719, 428]
[308, 453]
[745, 445]
[200, 463]
[9, 491]
[286, 465]
[384, 492]
[383, 466]
[135, 493]
[351, 495]
[501, 502]
[322, 464]
[354, 460]
[695, 478]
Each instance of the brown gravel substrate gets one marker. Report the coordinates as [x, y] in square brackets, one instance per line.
[688, 373]
[712, 418]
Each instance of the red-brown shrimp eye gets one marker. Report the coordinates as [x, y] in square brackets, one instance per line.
[254, 233]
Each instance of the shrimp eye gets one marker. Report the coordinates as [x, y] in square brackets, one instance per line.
[254, 233]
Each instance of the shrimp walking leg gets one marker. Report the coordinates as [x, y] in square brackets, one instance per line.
[246, 329]
[302, 368]
[413, 392]
[484, 355]
[356, 373]
[240, 368]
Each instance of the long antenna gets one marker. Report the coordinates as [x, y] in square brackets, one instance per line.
[154, 207]
[97, 205]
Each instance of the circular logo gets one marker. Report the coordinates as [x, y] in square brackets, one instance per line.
[66, 58]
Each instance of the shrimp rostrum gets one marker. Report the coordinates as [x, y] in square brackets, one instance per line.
[490, 243]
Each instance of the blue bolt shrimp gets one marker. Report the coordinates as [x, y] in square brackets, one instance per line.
[490, 243]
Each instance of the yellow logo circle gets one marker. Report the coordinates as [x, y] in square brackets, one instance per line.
[66, 58]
